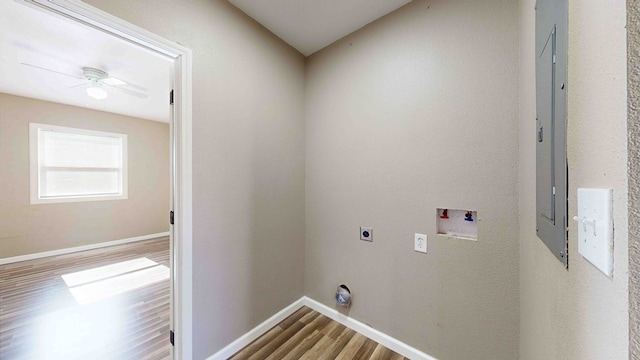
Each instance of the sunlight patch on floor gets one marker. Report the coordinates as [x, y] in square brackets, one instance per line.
[99, 283]
[79, 332]
[103, 272]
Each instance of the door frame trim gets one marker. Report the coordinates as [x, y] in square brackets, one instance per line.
[181, 124]
[633, 175]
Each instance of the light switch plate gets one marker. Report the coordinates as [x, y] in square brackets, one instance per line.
[595, 227]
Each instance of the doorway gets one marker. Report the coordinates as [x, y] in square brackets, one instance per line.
[180, 146]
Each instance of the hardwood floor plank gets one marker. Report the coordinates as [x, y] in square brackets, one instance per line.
[303, 346]
[40, 318]
[274, 344]
[318, 349]
[318, 322]
[396, 356]
[309, 317]
[309, 335]
[329, 327]
[336, 331]
[381, 353]
[366, 350]
[338, 345]
[352, 347]
[258, 344]
[294, 317]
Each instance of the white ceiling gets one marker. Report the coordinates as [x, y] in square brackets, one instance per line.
[34, 37]
[310, 25]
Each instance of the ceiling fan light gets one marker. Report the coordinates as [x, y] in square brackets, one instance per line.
[96, 93]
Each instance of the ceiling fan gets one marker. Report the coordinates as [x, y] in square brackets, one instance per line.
[97, 82]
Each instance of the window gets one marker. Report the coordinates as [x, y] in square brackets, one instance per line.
[71, 165]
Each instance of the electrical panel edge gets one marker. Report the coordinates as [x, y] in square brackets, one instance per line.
[551, 126]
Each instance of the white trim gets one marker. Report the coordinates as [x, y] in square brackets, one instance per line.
[182, 231]
[257, 331]
[44, 254]
[363, 329]
[183, 207]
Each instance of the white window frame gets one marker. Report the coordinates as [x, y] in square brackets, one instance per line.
[34, 160]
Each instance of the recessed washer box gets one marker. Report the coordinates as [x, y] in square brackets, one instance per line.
[456, 223]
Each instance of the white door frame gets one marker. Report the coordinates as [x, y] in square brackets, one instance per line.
[181, 150]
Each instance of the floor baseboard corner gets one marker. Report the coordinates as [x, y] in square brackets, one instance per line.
[256, 332]
[373, 334]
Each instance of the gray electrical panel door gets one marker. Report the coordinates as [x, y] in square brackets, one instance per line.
[551, 126]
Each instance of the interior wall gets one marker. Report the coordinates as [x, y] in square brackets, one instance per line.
[633, 68]
[28, 229]
[577, 313]
[418, 111]
[248, 163]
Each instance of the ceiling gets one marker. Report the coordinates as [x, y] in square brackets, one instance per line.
[310, 25]
[29, 36]
[33, 37]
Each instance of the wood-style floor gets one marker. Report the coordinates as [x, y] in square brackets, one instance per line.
[41, 319]
[307, 334]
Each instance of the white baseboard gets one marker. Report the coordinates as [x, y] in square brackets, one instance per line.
[373, 334]
[256, 332]
[80, 248]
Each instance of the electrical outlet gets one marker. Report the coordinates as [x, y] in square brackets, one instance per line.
[366, 233]
[420, 243]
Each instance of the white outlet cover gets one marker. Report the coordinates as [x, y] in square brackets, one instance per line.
[595, 227]
[420, 243]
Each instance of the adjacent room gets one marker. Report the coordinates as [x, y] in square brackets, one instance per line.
[364, 180]
[84, 163]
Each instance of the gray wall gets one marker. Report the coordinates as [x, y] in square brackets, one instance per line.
[27, 229]
[577, 313]
[416, 111]
[633, 68]
[248, 163]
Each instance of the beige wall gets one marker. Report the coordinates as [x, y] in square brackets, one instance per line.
[248, 163]
[633, 67]
[577, 313]
[27, 229]
[416, 111]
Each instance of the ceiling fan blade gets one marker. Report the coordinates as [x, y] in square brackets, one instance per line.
[113, 81]
[75, 86]
[53, 71]
[128, 92]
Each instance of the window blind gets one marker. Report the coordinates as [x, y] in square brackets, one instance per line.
[79, 165]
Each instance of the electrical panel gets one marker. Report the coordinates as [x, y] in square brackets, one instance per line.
[551, 126]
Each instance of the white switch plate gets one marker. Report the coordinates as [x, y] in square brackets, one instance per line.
[595, 227]
[420, 243]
